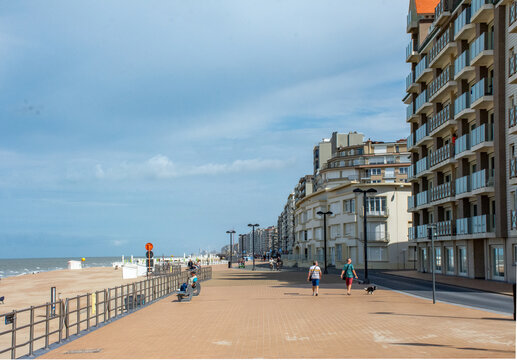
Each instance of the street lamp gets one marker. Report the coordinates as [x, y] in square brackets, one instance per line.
[365, 219]
[253, 242]
[231, 232]
[431, 228]
[325, 271]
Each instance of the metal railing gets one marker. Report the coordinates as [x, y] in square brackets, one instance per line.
[461, 103]
[421, 132]
[421, 100]
[422, 165]
[442, 191]
[421, 198]
[462, 144]
[482, 43]
[409, 111]
[461, 62]
[477, 4]
[463, 185]
[440, 44]
[410, 141]
[166, 269]
[37, 327]
[482, 88]
[462, 20]
[420, 67]
[441, 80]
[410, 79]
[440, 118]
[444, 153]
[442, 6]
[444, 228]
[479, 135]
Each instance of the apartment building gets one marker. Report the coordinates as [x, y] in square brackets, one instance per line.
[286, 226]
[303, 188]
[459, 94]
[367, 162]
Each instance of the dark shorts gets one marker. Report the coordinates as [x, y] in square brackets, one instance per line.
[315, 282]
[349, 281]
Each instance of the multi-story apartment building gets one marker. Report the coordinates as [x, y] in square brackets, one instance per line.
[367, 162]
[304, 187]
[459, 94]
[286, 226]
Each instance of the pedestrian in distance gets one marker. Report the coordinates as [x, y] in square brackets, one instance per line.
[348, 275]
[315, 277]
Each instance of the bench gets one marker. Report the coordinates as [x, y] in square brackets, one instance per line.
[189, 292]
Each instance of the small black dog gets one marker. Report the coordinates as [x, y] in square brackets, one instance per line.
[370, 289]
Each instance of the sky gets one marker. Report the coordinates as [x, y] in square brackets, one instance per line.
[171, 122]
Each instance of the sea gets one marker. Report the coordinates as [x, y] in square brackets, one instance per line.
[16, 267]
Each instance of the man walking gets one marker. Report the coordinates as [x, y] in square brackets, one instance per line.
[315, 276]
[348, 273]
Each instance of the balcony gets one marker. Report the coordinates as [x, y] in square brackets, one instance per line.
[463, 28]
[481, 224]
[421, 133]
[422, 71]
[377, 213]
[513, 219]
[442, 191]
[421, 198]
[463, 186]
[462, 147]
[421, 231]
[411, 85]
[411, 203]
[378, 236]
[444, 228]
[482, 11]
[482, 50]
[513, 168]
[411, 172]
[438, 87]
[411, 53]
[512, 69]
[441, 155]
[412, 22]
[512, 27]
[422, 165]
[482, 182]
[512, 120]
[411, 235]
[481, 95]
[410, 141]
[462, 107]
[462, 68]
[441, 121]
[442, 12]
[410, 113]
[422, 102]
[444, 46]
[481, 138]
[463, 226]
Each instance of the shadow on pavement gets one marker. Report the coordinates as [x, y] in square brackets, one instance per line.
[453, 347]
[440, 316]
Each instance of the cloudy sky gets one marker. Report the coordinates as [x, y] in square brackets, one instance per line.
[123, 122]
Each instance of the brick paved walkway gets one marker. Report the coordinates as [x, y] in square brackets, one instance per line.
[244, 314]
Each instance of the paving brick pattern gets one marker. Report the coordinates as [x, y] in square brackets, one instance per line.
[262, 314]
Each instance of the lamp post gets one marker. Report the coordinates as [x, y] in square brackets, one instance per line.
[231, 232]
[430, 234]
[365, 219]
[253, 242]
[325, 213]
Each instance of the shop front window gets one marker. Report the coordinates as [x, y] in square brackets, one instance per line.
[438, 259]
[450, 259]
[497, 254]
[462, 260]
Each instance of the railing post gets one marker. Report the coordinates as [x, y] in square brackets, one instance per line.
[61, 319]
[116, 301]
[78, 316]
[47, 323]
[31, 331]
[13, 336]
[97, 308]
[88, 304]
[67, 318]
[106, 305]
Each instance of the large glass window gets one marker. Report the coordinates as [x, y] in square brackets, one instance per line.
[376, 205]
[462, 260]
[497, 255]
[449, 253]
[339, 251]
[438, 259]
[424, 259]
[376, 253]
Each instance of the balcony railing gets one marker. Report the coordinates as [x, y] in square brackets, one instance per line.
[462, 20]
[441, 80]
[409, 48]
[462, 144]
[463, 185]
[440, 44]
[442, 6]
[513, 167]
[440, 118]
[422, 165]
[411, 202]
[461, 103]
[481, 180]
[409, 111]
[463, 226]
[513, 12]
[480, 135]
[411, 171]
[421, 133]
[444, 228]
[421, 198]
[479, 224]
[410, 141]
[421, 99]
[410, 79]
[442, 191]
[444, 153]
[482, 88]
[461, 62]
[378, 235]
[512, 116]
[482, 43]
[421, 231]
[411, 233]
[512, 65]
[421, 66]
[477, 4]
[513, 219]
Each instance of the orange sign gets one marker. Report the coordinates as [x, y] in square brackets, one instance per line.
[148, 246]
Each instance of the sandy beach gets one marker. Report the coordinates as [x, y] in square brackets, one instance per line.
[34, 289]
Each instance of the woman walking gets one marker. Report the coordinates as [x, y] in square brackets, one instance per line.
[348, 274]
[314, 276]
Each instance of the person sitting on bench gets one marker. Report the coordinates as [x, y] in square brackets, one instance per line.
[192, 280]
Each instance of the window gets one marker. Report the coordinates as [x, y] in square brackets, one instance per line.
[462, 260]
[403, 170]
[334, 207]
[349, 229]
[334, 231]
[449, 253]
[424, 259]
[438, 259]
[375, 171]
[349, 206]
[376, 205]
[497, 260]
[339, 250]
[377, 253]
[376, 231]
[317, 234]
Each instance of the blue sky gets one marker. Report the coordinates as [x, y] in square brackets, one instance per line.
[123, 122]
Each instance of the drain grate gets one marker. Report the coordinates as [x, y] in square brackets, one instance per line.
[83, 351]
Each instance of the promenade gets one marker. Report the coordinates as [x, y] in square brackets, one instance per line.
[262, 314]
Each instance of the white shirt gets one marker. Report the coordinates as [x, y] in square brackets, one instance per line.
[315, 272]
